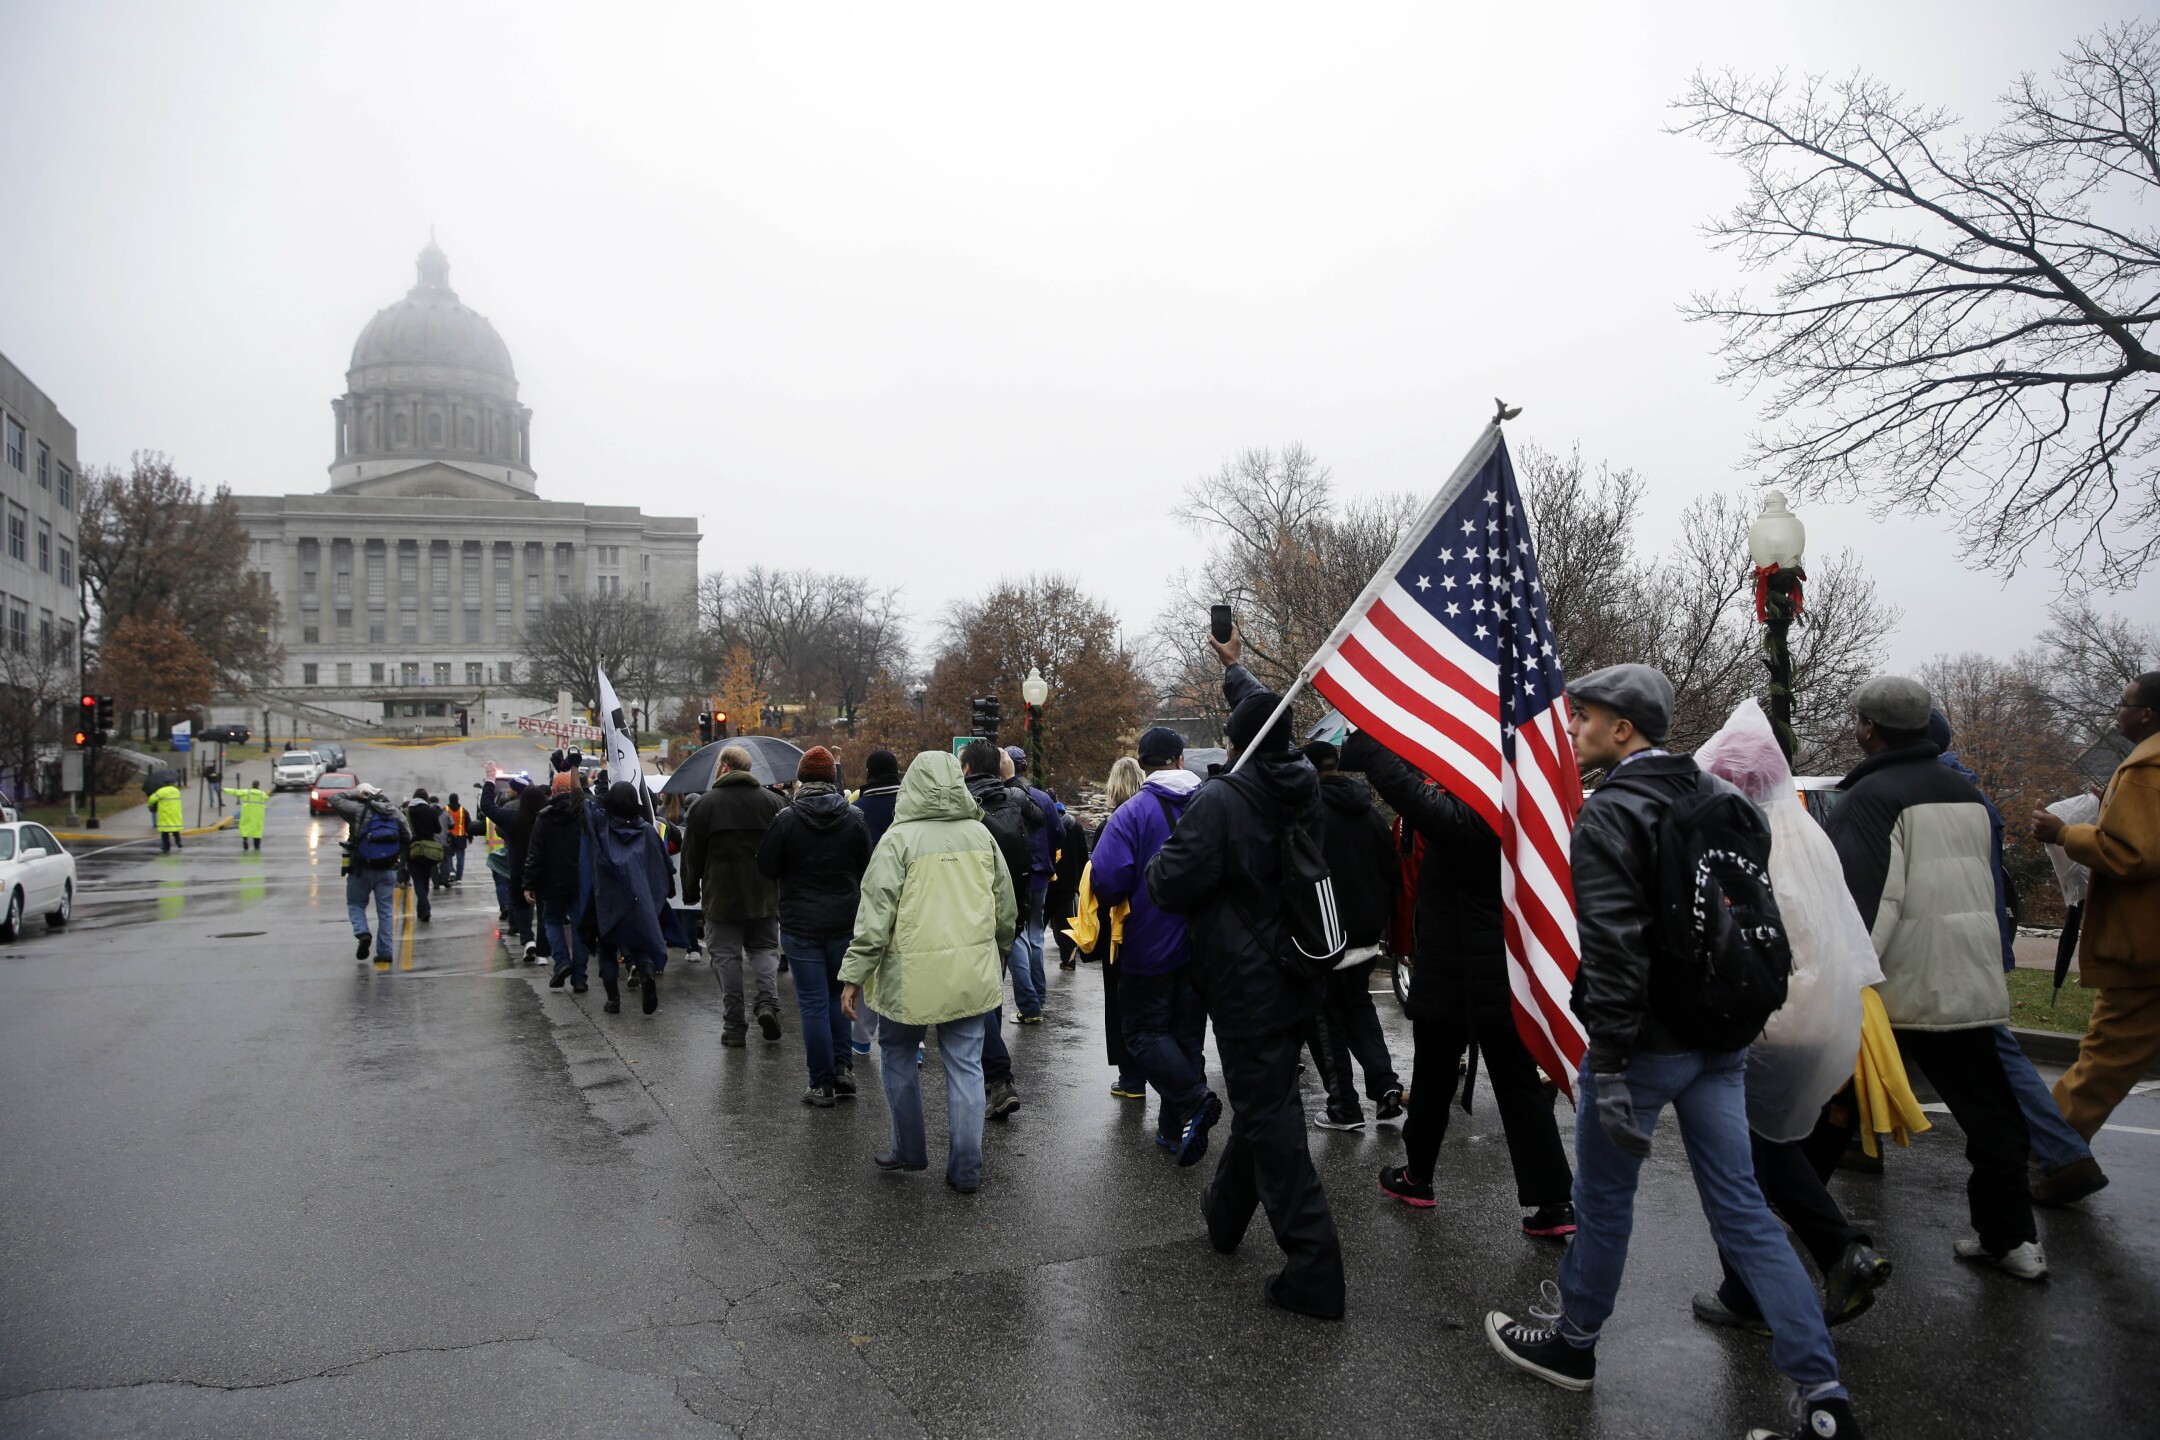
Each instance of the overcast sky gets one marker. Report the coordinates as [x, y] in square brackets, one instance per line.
[935, 294]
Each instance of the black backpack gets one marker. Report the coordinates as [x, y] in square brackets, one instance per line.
[1312, 935]
[1719, 955]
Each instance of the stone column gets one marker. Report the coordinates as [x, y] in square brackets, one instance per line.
[337, 408]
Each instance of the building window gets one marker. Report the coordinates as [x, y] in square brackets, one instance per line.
[15, 438]
[502, 574]
[440, 629]
[506, 672]
[412, 712]
[435, 707]
[66, 492]
[648, 592]
[44, 466]
[473, 671]
[408, 630]
[45, 634]
[371, 432]
[377, 562]
[397, 428]
[409, 672]
[442, 672]
[434, 428]
[377, 632]
[344, 672]
[18, 626]
[532, 592]
[645, 564]
[439, 571]
[472, 627]
[18, 533]
[341, 570]
[375, 675]
[308, 674]
[408, 570]
[310, 565]
[66, 654]
[344, 624]
[468, 434]
[311, 634]
[67, 563]
[44, 547]
[505, 628]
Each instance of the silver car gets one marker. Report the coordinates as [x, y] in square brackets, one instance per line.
[37, 876]
[296, 770]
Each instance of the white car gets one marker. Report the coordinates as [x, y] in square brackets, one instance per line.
[296, 770]
[37, 876]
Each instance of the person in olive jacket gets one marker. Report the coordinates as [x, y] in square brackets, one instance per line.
[1459, 995]
[816, 850]
[721, 835]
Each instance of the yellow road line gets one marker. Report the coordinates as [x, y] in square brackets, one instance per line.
[405, 927]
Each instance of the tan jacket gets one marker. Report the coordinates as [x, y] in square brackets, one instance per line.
[2120, 944]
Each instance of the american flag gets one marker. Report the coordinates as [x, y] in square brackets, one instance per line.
[1448, 660]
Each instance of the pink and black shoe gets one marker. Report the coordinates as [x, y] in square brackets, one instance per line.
[1396, 1181]
[1550, 1222]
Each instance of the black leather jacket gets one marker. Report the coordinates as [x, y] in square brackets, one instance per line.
[1614, 857]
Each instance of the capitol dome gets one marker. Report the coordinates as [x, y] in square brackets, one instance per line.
[431, 391]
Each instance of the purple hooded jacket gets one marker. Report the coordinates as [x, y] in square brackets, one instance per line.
[1154, 939]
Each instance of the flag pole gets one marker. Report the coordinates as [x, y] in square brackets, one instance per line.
[1473, 461]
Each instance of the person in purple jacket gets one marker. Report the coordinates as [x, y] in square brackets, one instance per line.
[1160, 1012]
[1043, 848]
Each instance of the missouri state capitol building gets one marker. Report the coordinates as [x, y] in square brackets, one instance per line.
[404, 587]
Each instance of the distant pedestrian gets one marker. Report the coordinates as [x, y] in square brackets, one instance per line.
[1012, 817]
[457, 837]
[425, 855]
[816, 850]
[1913, 838]
[631, 886]
[880, 792]
[1646, 1052]
[1102, 925]
[502, 808]
[1058, 900]
[1222, 870]
[2119, 945]
[935, 923]
[253, 803]
[376, 837]
[1365, 872]
[556, 878]
[721, 835]
[1160, 1019]
[1042, 869]
[169, 806]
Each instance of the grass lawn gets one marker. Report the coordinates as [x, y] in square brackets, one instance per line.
[2029, 1002]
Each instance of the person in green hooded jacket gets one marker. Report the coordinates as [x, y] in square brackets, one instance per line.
[252, 801]
[169, 804]
[936, 917]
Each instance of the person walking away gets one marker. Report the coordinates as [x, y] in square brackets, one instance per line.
[425, 855]
[1913, 839]
[631, 886]
[554, 879]
[1650, 1047]
[1363, 868]
[721, 835]
[880, 792]
[376, 836]
[1042, 869]
[2119, 946]
[935, 923]
[1160, 1018]
[1222, 870]
[1460, 997]
[815, 851]
[1064, 891]
[457, 836]
[254, 805]
[1105, 938]
[1011, 816]
[168, 805]
[2068, 1172]
[1805, 1055]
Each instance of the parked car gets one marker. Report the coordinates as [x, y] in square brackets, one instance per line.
[331, 754]
[37, 876]
[296, 770]
[1819, 793]
[8, 813]
[328, 788]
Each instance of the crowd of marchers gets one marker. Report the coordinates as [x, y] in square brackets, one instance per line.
[1766, 978]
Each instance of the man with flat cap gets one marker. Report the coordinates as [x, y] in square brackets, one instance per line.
[1222, 870]
[1917, 843]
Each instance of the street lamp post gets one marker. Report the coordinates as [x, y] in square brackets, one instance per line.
[1776, 542]
[1034, 692]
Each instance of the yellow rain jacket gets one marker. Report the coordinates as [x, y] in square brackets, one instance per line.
[252, 803]
[1086, 924]
[170, 805]
[1887, 1104]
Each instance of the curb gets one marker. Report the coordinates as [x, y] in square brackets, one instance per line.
[92, 837]
[2052, 1047]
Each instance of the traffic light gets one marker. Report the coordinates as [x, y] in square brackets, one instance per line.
[104, 705]
[983, 717]
[719, 724]
[86, 722]
[704, 727]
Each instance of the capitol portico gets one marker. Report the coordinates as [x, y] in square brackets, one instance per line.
[404, 588]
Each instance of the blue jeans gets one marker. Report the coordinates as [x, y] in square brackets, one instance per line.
[960, 1044]
[815, 967]
[1024, 960]
[2054, 1143]
[564, 941]
[1706, 1093]
[455, 860]
[381, 883]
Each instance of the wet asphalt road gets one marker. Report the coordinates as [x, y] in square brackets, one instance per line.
[253, 1188]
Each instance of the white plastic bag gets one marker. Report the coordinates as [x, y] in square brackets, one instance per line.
[1808, 1049]
[2069, 874]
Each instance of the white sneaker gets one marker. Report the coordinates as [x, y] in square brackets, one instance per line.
[2027, 1261]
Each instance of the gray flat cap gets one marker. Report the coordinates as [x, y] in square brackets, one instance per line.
[1640, 693]
[1894, 701]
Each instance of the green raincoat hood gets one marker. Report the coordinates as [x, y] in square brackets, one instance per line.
[933, 790]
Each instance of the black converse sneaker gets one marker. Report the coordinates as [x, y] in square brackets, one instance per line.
[1830, 1419]
[1535, 1344]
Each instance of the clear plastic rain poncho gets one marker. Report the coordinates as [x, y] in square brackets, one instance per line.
[1807, 1050]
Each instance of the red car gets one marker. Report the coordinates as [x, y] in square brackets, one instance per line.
[328, 788]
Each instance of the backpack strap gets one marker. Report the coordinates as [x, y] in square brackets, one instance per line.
[1169, 815]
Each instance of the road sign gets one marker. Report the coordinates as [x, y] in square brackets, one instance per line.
[961, 742]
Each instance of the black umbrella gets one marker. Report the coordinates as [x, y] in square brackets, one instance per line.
[159, 778]
[772, 760]
[2066, 949]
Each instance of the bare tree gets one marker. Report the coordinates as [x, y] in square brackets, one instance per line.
[37, 683]
[2085, 658]
[579, 635]
[807, 631]
[1959, 320]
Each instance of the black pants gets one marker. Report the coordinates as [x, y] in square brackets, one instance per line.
[1794, 1187]
[1542, 1176]
[1965, 1069]
[423, 880]
[1265, 1163]
[1348, 1028]
[1165, 1035]
[168, 841]
[1114, 1025]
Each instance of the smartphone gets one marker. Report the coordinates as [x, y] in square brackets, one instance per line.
[1219, 623]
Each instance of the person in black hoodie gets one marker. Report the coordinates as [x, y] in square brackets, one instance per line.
[426, 852]
[1012, 817]
[1072, 859]
[1459, 997]
[1222, 870]
[632, 883]
[554, 877]
[1362, 864]
[879, 794]
[816, 851]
